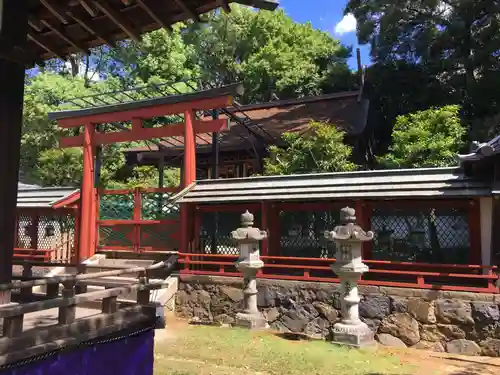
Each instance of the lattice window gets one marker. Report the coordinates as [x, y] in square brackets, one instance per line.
[117, 235]
[302, 233]
[162, 237]
[47, 232]
[218, 226]
[116, 206]
[158, 206]
[421, 234]
[24, 229]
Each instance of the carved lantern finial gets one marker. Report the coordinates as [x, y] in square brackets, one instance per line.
[247, 219]
[348, 215]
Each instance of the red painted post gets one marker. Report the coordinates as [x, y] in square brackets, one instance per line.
[189, 176]
[274, 230]
[265, 211]
[363, 213]
[189, 149]
[88, 198]
[137, 216]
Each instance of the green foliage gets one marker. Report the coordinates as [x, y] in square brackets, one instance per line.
[270, 53]
[321, 149]
[452, 43]
[43, 95]
[147, 176]
[59, 167]
[430, 138]
[267, 51]
[41, 160]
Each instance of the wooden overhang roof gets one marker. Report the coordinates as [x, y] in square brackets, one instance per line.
[381, 185]
[270, 120]
[61, 27]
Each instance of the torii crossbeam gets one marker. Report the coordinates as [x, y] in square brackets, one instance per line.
[136, 112]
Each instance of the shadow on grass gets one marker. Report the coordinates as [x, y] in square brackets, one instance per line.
[294, 336]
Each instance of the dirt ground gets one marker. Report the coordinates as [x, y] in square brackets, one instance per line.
[447, 364]
[423, 362]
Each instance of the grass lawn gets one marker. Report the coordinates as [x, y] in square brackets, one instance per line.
[201, 350]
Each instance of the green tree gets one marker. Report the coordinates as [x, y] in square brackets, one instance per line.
[457, 41]
[42, 162]
[44, 93]
[146, 176]
[321, 149]
[395, 89]
[268, 51]
[430, 138]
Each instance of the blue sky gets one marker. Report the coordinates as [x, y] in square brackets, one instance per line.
[328, 15]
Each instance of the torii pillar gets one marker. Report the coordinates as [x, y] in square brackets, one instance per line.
[188, 177]
[13, 30]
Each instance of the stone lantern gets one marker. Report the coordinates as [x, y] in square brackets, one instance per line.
[249, 263]
[349, 267]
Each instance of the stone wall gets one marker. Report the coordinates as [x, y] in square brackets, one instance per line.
[464, 323]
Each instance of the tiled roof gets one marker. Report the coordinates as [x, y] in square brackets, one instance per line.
[34, 196]
[482, 150]
[380, 184]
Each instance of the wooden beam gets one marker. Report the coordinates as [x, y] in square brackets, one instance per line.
[119, 20]
[89, 7]
[148, 112]
[190, 12]
[56, 10]
[35, 25]
[142, 134]
[64, 37]
[14, 30]
[85, 25]
[154, 16]
[37, 41]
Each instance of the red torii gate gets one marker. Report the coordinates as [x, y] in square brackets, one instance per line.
[136, 112]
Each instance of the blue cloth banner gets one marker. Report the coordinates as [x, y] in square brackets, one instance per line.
[132, 355]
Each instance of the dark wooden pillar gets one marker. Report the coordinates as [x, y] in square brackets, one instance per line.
[13, 31]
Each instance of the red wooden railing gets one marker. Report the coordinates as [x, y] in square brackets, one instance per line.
[454, 277]
[136, 229]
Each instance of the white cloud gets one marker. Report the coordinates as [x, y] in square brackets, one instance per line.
[346, 25]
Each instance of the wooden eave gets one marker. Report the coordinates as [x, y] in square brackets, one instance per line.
[58, 28]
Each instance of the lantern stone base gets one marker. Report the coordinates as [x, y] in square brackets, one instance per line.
[354, 335]
[250, 321]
